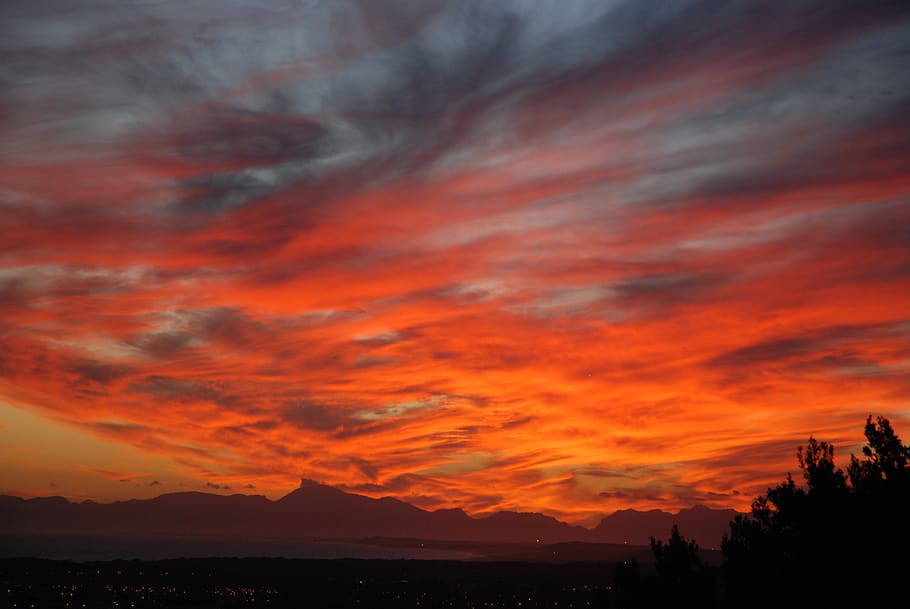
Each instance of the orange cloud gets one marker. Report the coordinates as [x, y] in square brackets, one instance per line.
[640, 280]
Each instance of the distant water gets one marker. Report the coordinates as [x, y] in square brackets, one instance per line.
[81, 548]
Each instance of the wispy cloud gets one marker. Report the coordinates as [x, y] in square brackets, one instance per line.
[496, 255]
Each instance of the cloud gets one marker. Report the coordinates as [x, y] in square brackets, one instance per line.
[836, 352]
[116, 476]
[468, 254]
[314, 416]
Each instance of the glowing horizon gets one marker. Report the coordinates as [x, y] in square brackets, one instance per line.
[515, 256]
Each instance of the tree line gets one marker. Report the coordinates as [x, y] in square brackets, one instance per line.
[838, 539]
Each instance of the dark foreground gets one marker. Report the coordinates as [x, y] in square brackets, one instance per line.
[276, 582]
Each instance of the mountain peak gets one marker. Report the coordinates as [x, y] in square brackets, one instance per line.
[701, 523]
[311, 488]
[316, 510]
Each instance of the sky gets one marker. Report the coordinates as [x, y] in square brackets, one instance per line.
[568, 257]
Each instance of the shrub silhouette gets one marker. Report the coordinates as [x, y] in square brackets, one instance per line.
[842, 539]
[681, 575]
[677, 560]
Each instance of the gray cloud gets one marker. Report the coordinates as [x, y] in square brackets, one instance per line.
[102, 373]
[813, 343]
[308, 415]
[168, 389]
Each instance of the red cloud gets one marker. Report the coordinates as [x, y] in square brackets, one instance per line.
[552, 280]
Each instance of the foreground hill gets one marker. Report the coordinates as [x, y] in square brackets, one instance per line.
[316, 511]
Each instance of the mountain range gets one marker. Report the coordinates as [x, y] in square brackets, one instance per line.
[317, 511]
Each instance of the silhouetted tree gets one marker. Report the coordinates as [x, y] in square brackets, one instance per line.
[822, 477]
[887, 461]
[677, 560]
[681, 574]
[833, 542]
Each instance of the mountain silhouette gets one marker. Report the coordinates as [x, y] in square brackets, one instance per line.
[703, 524]
[318, 511]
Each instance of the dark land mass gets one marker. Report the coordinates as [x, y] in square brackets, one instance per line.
[705, 525]
[324, 517]
[802, 546]
[565, 552]
[275, 582]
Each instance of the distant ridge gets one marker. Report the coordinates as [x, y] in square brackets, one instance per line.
[318, 511]
[701, 523]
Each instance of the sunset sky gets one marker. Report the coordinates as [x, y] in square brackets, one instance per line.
[561, 256]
